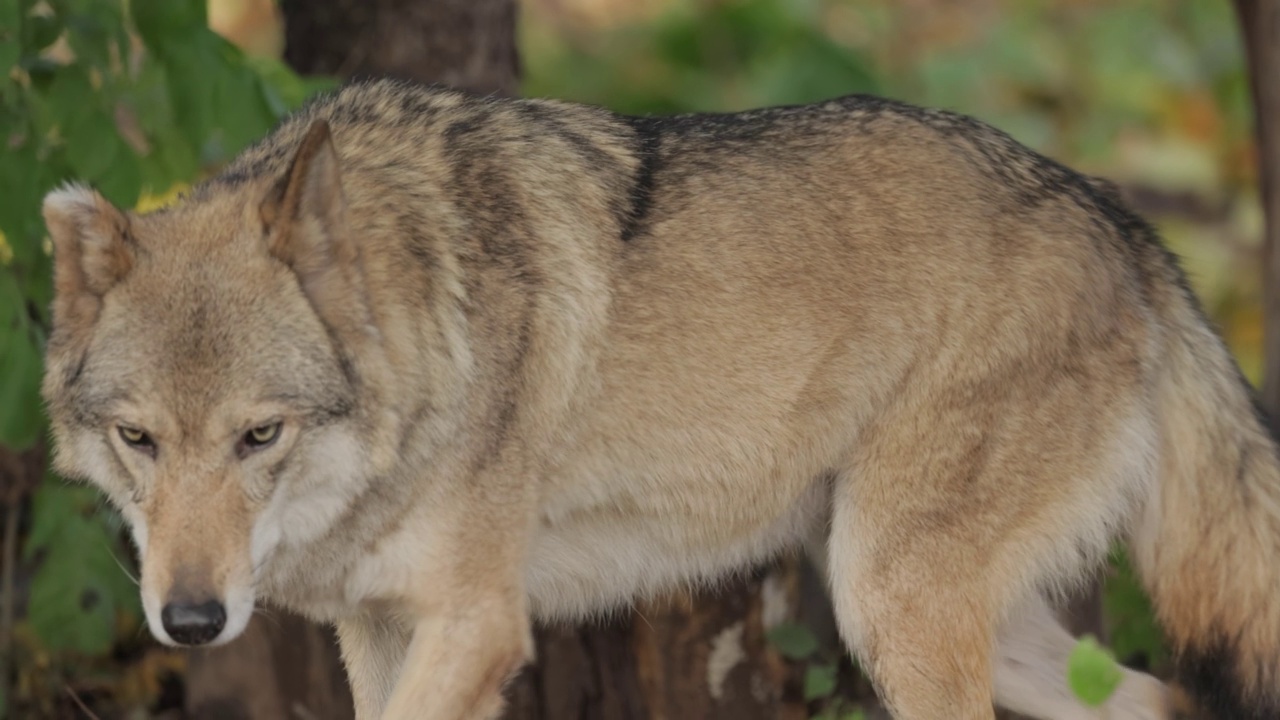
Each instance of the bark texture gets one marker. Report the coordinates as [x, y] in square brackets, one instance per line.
[469, 44]
[283, 667]
[701, 656]
[1260, 25]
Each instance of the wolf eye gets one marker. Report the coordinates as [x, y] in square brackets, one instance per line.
[138, 440]
[261, 436]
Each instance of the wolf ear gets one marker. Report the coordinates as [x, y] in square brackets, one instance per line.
[92, 252]
[304, 222]
[303, 212]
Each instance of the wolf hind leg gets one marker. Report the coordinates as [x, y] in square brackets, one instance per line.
[924, 632]
[1031, 674]
[940, 529]
[920, 666]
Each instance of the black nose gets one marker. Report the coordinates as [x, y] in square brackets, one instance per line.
[191, 624]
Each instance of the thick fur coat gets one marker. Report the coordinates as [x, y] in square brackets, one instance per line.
[432, 367]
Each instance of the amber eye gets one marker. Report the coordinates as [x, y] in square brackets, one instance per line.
[137, 439]
[261, 436]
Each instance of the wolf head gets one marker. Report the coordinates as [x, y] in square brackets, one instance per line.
[206, 370]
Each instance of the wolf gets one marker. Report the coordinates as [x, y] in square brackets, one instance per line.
[434, 367]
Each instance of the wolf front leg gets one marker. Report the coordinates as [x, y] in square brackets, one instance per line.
[458, 661]
[463, 603]
[373, 649]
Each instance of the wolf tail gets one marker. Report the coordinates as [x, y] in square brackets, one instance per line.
[1208, 542]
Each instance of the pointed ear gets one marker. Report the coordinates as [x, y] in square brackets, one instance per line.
[303, 212]
[304, 222]
[92, 251]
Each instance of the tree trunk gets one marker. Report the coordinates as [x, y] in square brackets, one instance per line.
[283, 667]
[1260, 23]
[20, 473]
[467, 44]
[701, 656]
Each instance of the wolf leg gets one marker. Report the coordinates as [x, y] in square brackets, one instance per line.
[1031, 668]
[983, 481]
[457, 663]
[462, 598]
[373, 648]
[1031, 675]
[922, 629]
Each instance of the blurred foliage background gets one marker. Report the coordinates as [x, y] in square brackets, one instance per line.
[1151, 93]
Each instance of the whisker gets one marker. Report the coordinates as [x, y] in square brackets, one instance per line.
[268, 616]
[123, 569]
[80, 703]
[143, 626]
[635, 609]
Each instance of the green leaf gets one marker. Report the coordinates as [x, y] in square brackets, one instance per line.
[315, 84]
[10, 36]
[79, 587]
[173, 156]
[284, 90]
[819, 681]
[19, 211]
[39, 32]
[242, 111]
[41, 70]
[121, 183]
[20, 371]
[75, 594]
[53, 503]
[89, 33]
[1092, 672]
[68, 94]
[793, 640]
[1130, 618]
[92, 143]
[36, 285]
[164, 24]
[187, 72]
[171, 160]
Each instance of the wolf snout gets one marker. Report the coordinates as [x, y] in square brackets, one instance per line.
[193, 623]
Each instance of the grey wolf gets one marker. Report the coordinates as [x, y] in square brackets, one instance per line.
[432, 368]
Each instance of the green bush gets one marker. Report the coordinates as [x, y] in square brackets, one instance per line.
[700, 56]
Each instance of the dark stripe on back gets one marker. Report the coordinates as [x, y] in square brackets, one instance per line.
[648, 149]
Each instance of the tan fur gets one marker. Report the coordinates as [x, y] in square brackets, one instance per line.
[534, 360]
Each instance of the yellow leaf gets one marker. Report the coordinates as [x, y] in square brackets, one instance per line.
[149, 202]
